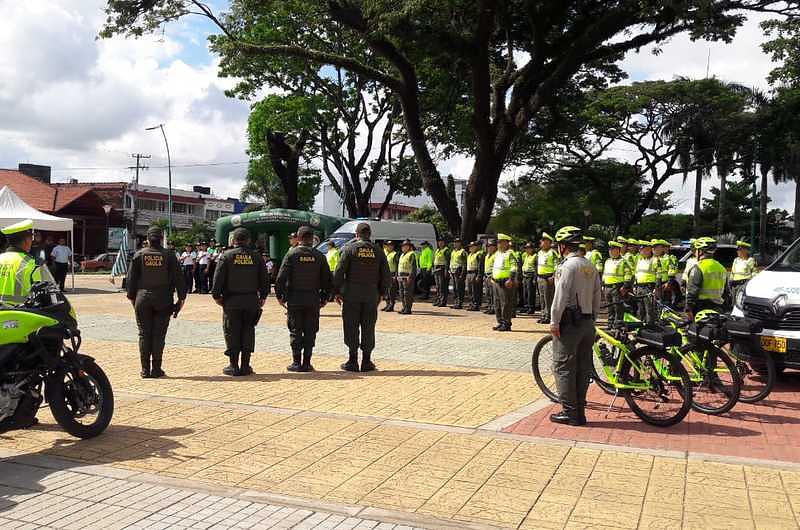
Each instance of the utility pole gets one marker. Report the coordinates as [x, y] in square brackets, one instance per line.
[137, 167]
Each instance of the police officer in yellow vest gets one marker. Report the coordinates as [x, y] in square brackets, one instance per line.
[154, 277]
[241, 287]
[706, 286]
[332, 257]
[475, 276]
[302, 287]
[392, 257]
[19, 270]
[546, 260]
[458, 273]
[529, 263]
[488, 264]
[575, 307]
[743, 269]
[669, 268]
[504, 278]
[407, 276]
[426, 269]
[617, 279]
[441, 276]
[592, 254]
[648, 281]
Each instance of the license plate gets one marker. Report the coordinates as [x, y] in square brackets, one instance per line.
[775, 344]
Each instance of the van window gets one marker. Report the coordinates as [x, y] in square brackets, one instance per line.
[789, 261]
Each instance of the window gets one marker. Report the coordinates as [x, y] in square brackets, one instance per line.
[183, 208]
[128, 202]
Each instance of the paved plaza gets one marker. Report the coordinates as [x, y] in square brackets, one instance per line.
[449, 433]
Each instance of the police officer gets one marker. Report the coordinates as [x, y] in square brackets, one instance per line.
[617, 279]
[669, 268]
[488, 265]
[648, 281]
[303, 285]
[241, 287]
[441, 261]
[153, 278]
[360, 279]
[592, 254]
[504, 278]
[706, 286]
[529, 280]
[19, 270]
[576, 302]
[475, 276]
[743, 269]
[458, 272]
[392, 257]
[426, 269]
[407, 276]
[333, 256]
[546, 261]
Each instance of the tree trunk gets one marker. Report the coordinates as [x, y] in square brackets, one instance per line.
[698, 193]
[386, 201]
[723, 188]
[796, 207]
[762, 219]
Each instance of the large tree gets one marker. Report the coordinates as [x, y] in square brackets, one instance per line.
[473, 74]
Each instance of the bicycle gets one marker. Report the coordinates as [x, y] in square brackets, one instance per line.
[638, 374]
[715, 377]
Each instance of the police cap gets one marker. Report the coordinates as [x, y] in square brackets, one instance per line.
[615, 244]
[492, 243]
[528, 245]
[305, 231]
[155, 232]
[407, 243]
[16, 228]
[475, 243]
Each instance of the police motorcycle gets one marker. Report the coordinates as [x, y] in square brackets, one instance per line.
[40, 360]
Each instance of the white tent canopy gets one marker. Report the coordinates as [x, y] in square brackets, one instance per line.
[13, 209]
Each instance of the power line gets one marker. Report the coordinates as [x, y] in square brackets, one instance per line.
[209, 164]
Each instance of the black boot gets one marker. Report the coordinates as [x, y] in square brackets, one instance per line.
[366, 363]
[565, 418]
[145, 361]
[246, 368]
[295, 366]
[306, 366]
[352, 363]
[233, 367]
[157, 371]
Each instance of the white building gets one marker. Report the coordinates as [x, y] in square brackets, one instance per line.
[329, 203]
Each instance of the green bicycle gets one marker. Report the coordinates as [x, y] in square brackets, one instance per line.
[654, 384]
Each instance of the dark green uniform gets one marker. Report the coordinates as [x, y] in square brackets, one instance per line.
[153, 278]
[241, 282]
[361, 276]
[303, 283]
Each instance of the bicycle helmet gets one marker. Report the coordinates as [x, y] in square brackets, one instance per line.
[706, 244]
[569, 234]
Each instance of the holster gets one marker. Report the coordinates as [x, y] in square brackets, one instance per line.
[570, 317]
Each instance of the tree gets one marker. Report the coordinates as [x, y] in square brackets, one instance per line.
[472, 75]
[429, 214]
[278, 131]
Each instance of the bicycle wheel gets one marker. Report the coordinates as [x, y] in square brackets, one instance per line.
[666, 400]
[542, 367]
[598, 370]
[717, 385]
[757, 374]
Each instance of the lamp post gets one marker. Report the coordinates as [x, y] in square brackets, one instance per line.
[169, 172]
[107, 209]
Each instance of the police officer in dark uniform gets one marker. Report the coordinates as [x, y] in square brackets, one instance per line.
[360, 278]
[153, 278]
[241, 287]
[303, 285]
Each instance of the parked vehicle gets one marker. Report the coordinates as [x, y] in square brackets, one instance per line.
[103, 262]
[384, 231]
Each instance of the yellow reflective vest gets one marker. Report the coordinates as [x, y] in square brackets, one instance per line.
[440, 257]
[488, 263]
[505, 267]
[458, 259]
[529, 264]
[743, 269]
[474, 261]
[714, 279]
[390, 257]
[18, 272]
[333, 256]
[406, 264]
[597, 259]
[647, 270]
[547, 261]
[616, 271]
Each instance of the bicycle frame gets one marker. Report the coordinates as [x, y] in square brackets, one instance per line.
[691, 359]
[612, 372]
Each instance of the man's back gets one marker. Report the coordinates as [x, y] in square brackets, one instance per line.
[18, 271]
[303, 275]
[363, 271]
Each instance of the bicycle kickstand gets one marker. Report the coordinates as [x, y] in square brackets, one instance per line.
[611, 405]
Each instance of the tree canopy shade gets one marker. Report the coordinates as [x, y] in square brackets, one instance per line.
[473, 76]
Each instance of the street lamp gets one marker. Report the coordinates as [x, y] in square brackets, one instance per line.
[107, 209]
[169, 171]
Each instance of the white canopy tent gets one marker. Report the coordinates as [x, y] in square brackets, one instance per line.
[13, 209]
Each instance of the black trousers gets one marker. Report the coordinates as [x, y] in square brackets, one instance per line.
[239, 326]
[475, 289]
[529, 289]
[358, 321]
[188, 277]
[303, 324]
[201, 278]
[442, 278]
[153, 322]
[60, 274]
[459, 286]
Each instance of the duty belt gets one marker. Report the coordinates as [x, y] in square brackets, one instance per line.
[403, 274]
[546, 276]
[736, 283]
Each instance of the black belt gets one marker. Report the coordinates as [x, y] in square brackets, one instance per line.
[403, 274]
[545, 276]
[737, 283]
[646, 284]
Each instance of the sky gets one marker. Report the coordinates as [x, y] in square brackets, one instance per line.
[81, 105]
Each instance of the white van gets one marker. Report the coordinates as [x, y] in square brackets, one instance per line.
[773, 297]
[384, 231]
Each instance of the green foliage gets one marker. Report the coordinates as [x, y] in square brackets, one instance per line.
[665, 226]
[429, 214]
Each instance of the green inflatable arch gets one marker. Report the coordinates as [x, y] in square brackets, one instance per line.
[270, 229]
